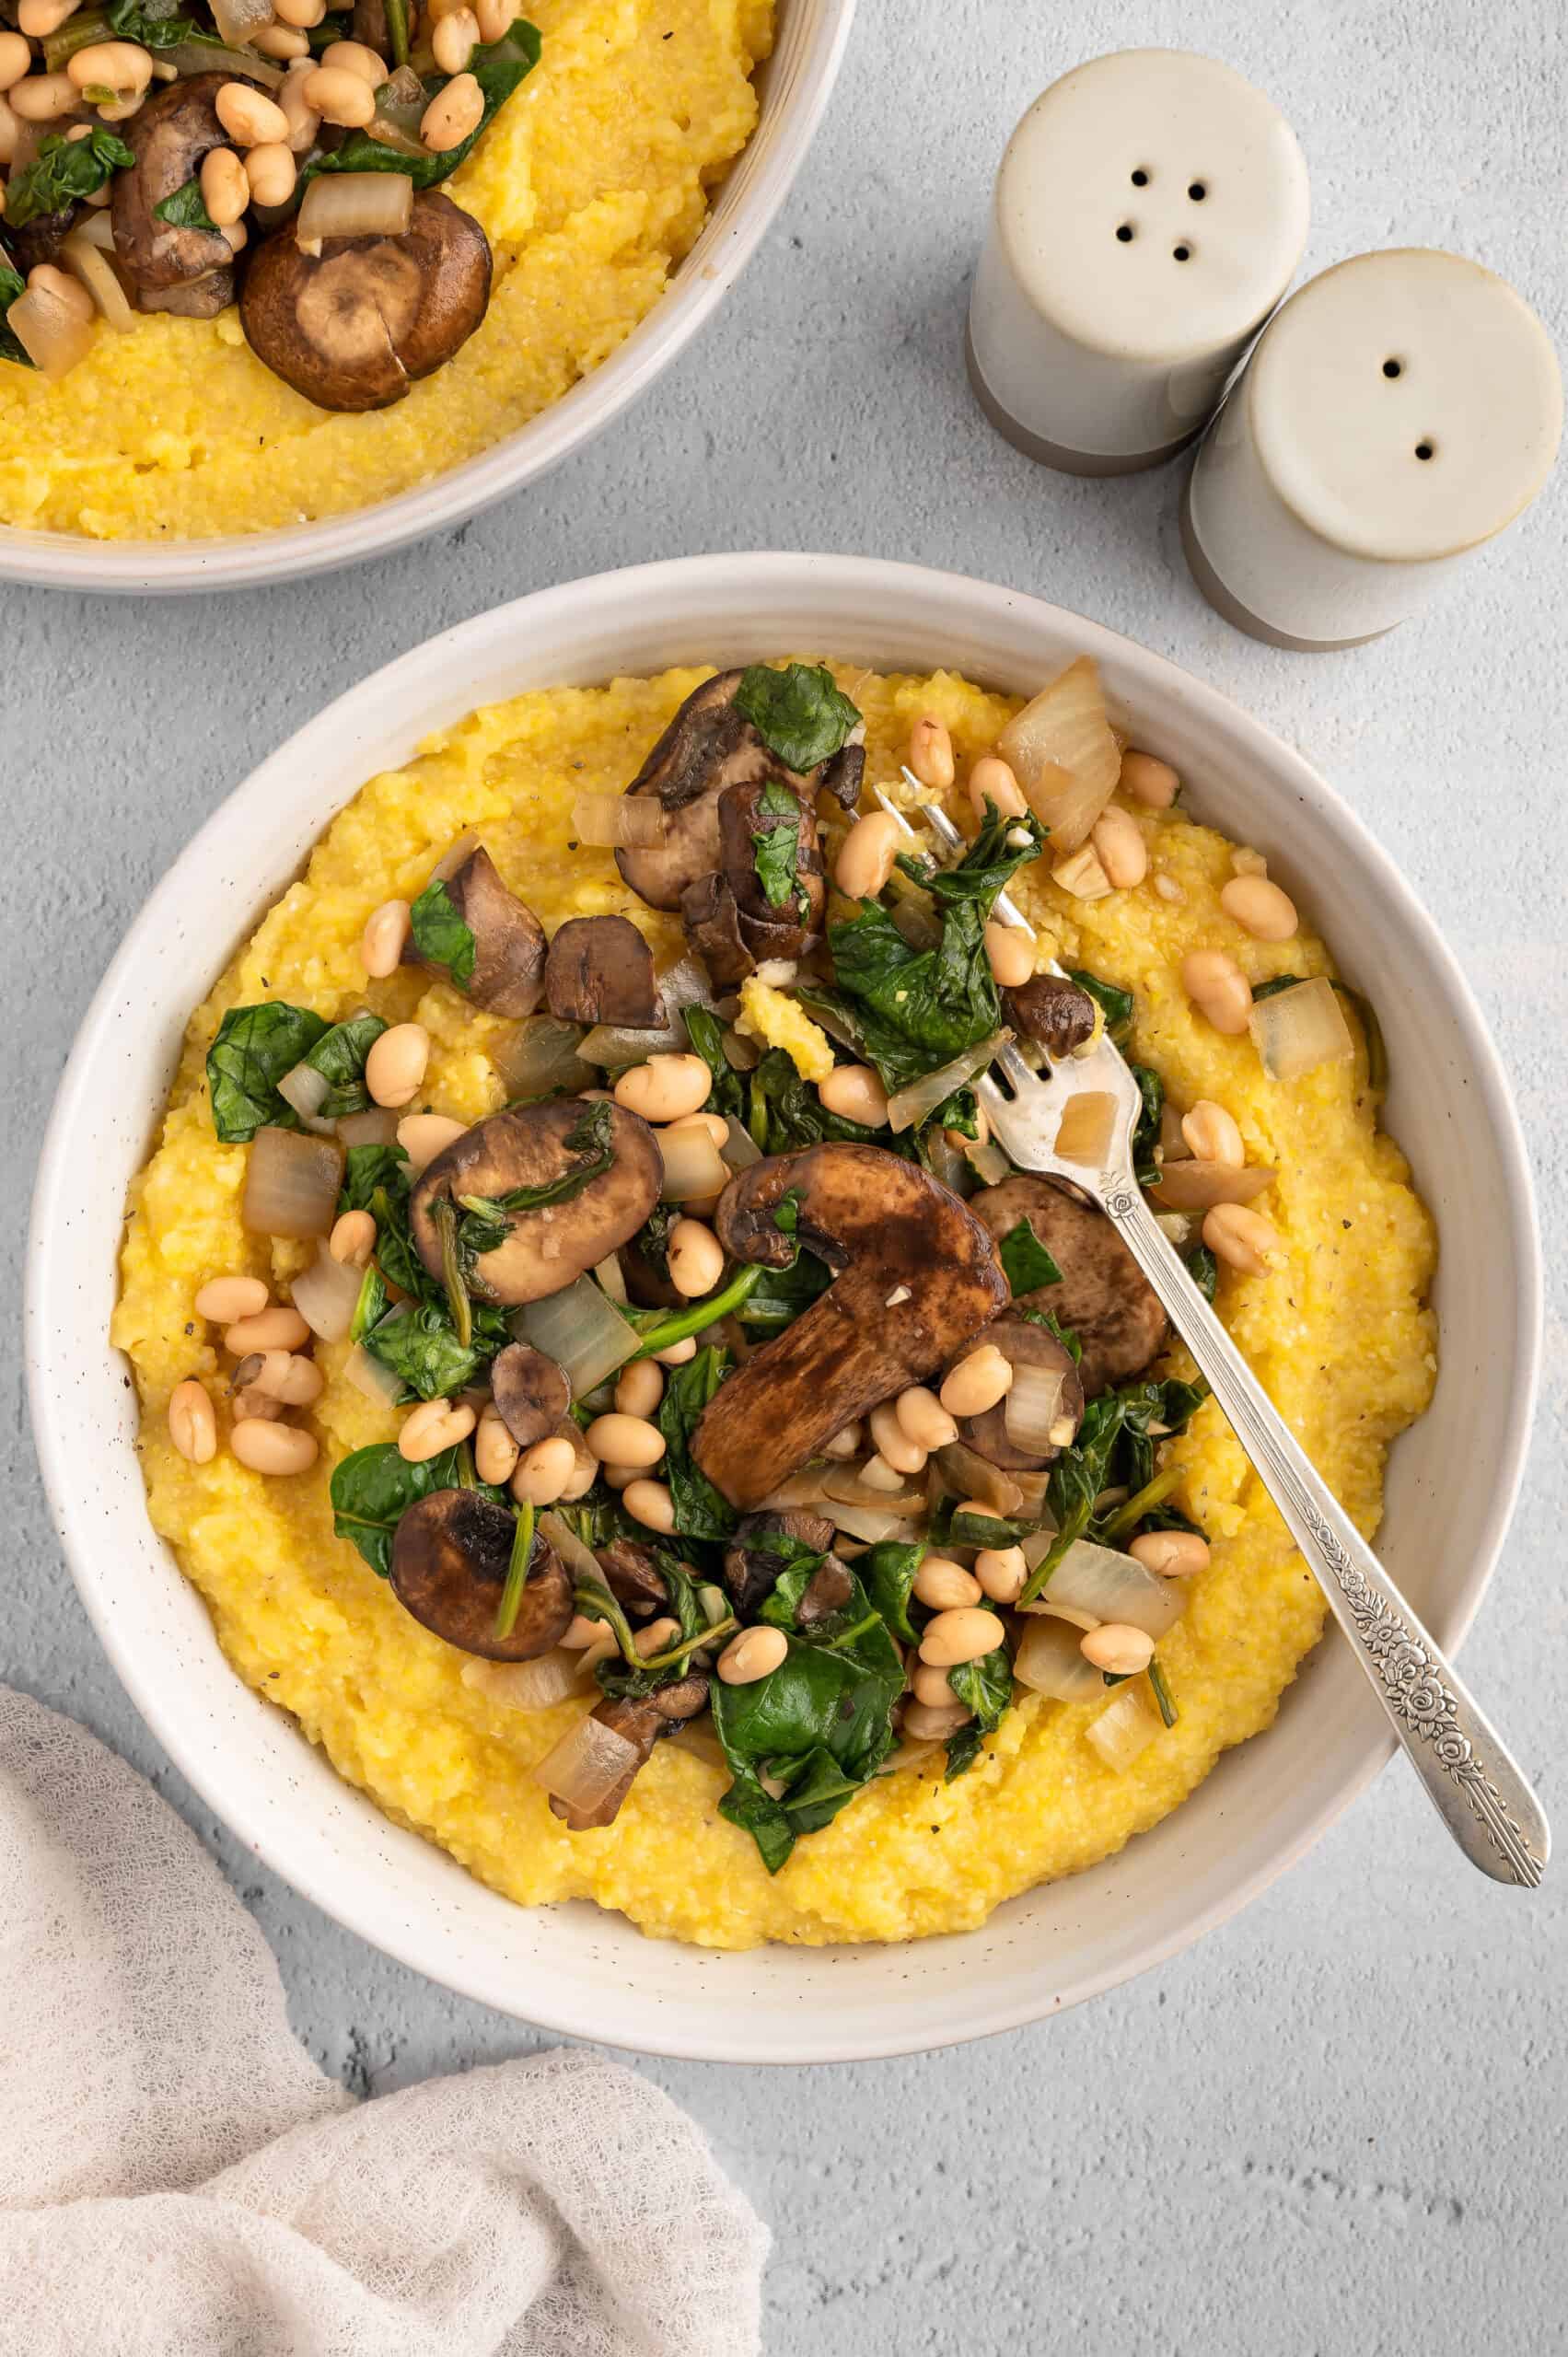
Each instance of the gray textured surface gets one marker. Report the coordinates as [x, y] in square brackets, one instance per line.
[1336, 2125]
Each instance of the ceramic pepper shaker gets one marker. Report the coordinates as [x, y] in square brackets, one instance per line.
[1149, 213]
[1401, 410]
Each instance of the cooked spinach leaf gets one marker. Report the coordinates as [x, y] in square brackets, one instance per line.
[783, 1112]
[798, 712]
[1114, 1444]
[820, 1724]
[775, 850]
[1204, 1272]
[618, 1675]
[1026, 1263]
[986, 1685]
[652, 1239]
[340, 1059]
[701, 1511]
[887, 1573]
[12, 283]
[63, 171]
[779, 1294]
[371, 1489]
[1117, 1006]
[185, 209]
[1147, 1134]
[420, 1344]
[705, 1032]
[367, 1167]
[1053, 1325]
[486, 1221]
[255, 1048]
[155, 29]
[498, 68]
[439, 934]
[915, 1009]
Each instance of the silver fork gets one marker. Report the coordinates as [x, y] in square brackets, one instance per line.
[1477, 1787]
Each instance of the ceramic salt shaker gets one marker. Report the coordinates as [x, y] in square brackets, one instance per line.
[1149, 213]
[1401, 410]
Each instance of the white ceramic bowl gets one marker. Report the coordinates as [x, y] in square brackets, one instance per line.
[575, 1968]
[795, 84]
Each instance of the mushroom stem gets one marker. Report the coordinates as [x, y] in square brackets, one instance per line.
[517, 1572]
[702, 1313]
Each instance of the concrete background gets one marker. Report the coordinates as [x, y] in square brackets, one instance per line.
[1335, 2127]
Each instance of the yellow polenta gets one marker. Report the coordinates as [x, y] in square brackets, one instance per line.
[1338, 1334]
[591, 183]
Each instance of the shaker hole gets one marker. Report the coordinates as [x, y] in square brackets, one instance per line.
[1140, 178]
[1197, 191]
[1126, 233]
[1183, 253]
[1425, 450]
[1393, 367]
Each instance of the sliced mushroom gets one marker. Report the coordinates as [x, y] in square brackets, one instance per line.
[842, 776]
[640, 1724]
[451, 1554]
[353, 327]
[42, 239]
[548, 1248]
[826, 1592]
[600, 970]
[767, 931]
[1023, 1344]
[915, 1274]
[508, 939]
[531, 1392]
[750, 1567]
[1103, 1296]
[649, 1286]
[1051, 1011]
[631, 1574]
[169, 269]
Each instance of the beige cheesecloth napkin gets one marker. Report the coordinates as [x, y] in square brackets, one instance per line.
[177, 2179]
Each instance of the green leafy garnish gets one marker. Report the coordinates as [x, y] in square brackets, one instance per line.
[886, 1571]
[915, 1009]
[1117, 1006]
[487, 1219]
[1026, 1263]
[820, 1724]
[798, 712]
[372, 1489]
[986, 1685]
[366, 1169]
[62, 172]
[439, 934]
[1168, 1710]
[340, 1058]
[498, 68]
[421, 1345]
[701, 1511]
[256, 1047]
[777, 849]
[185, 209]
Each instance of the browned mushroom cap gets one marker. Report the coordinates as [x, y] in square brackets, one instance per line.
[549, 1246]
[531, 1392]
[707, 745]
[1103, 1295]
[452, 1553]
[1052, 1012]
[826, 1592]
[641, 1725]
[631, 1574]
[915, 1274]
[770, 931]
[353, 327]
[842, 776]
[1023, 1344]
[41, 239]
[170, 137]
[600, 970]
[751, 1566]
[508, 939]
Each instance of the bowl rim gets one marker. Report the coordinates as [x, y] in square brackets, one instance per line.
[772, 159]
[430, 666]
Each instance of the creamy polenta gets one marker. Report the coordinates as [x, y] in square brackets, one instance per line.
[591, 184]
[1338, 1333]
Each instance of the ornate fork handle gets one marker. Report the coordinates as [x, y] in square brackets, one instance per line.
[1468, 1775]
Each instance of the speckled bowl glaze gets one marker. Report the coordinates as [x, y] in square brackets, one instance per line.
[573, 1968]
[796, 84]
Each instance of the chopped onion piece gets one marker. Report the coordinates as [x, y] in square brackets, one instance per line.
[1085, 1131]
[536, 1685]
[1295, 1030]
[353, 204]
[1194, 1186]
[291, 1181]
[48, 332]
[1048, 1661]
[586, 1765]
[1082, 1621]
[399, 109]
[1064, 754]
[378, 1126]
[239, 21]
[1126, 1728]
[326, 1295]
[740, 1149]
[1116, 1587]
[1176, 1227]
[193, 57]
[944, 1162]
[969, 1475]
[1031, 1407]
[843, 1485]
[869, 1524]
[541, 1054]
[987, 1162]
[307, 1090]
[807, 1487]
[614, 1044]
[579, 1560]
[371, 1378]
[693, 1167]
[629, 821]
[583, 1332]
[1033, 1489]
[85, 254]
[919, 1101]
[611, 1279]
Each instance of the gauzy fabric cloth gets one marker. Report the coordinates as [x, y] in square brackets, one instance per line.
[179, 2180]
